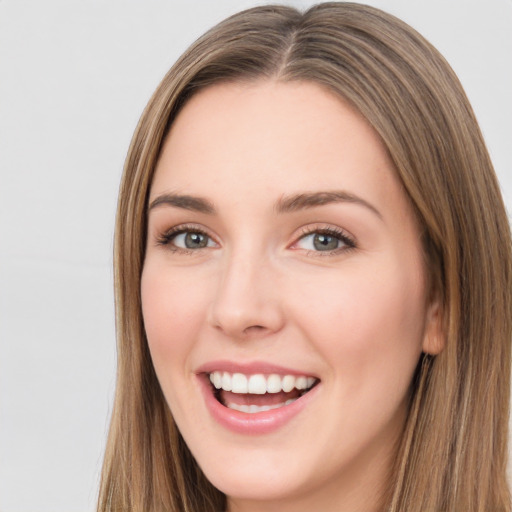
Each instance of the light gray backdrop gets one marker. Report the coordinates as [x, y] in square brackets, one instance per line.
[74, 78]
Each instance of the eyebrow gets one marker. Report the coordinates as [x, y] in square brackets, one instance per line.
[311, 199]
[196, 204]
[285, 204]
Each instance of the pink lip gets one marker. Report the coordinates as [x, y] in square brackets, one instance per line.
[258, 423]
[249, 368]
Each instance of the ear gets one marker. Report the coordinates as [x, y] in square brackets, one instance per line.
[434, 338]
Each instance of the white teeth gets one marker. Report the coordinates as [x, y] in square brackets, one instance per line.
[217, 380]
[301, 383]
[288, 383]
[251, 409]
[239, 383]
[273, 383]
[259, 384]
[226, 381]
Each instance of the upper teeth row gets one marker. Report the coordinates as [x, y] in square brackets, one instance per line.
[259, 384]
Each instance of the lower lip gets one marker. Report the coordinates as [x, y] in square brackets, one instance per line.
[257, 423]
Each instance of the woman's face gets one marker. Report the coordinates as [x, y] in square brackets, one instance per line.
[284, 264]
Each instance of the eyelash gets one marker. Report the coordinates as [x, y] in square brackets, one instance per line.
[337, 233]
[166, 239]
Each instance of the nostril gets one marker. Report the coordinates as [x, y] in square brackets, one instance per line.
[254, 329]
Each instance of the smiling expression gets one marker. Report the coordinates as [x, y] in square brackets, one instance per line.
[284, 295]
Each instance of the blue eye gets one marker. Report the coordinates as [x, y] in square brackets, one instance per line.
[186, 239]
[192, 240]
[324, 241]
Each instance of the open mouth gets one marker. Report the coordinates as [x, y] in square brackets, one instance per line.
[258, 393]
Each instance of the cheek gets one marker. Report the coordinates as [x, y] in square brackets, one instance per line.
[368, 323]
[172, 312]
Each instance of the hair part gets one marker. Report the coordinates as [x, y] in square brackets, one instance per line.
[458, 421]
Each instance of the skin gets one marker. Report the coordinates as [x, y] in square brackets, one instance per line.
[357, 317]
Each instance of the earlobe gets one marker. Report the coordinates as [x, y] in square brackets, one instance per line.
[434, 339]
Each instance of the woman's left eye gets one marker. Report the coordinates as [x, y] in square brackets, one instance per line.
[324, 241]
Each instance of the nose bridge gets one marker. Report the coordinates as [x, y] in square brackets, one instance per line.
[245, 300]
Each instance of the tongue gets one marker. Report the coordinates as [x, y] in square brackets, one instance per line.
[250, 399]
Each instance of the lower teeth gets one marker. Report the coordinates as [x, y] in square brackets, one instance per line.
[251, 409]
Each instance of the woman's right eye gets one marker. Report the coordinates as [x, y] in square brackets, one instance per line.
[187, 240]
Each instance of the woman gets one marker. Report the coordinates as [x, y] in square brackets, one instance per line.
[313, 277]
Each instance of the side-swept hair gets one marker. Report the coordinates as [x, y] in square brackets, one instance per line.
[453, 452]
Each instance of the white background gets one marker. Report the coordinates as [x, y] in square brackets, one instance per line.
[74, 78]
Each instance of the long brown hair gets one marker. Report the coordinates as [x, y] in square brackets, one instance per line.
[453, 453]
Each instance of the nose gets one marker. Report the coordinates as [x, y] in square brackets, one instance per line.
[246, 303]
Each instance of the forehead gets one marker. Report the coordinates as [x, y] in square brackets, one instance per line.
[240, 139]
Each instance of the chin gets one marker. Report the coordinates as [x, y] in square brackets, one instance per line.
[261, 485]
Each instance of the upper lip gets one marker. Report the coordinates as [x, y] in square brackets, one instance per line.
[251, 368]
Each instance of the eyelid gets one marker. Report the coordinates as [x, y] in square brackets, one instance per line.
[341, 234]
[165, 237]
